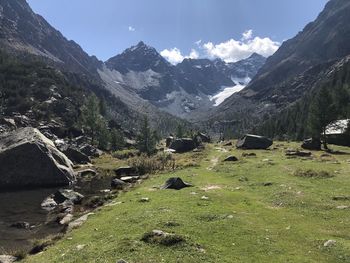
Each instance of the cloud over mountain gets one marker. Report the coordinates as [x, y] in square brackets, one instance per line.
[230, 51]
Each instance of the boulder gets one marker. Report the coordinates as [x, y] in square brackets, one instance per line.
[76, 156]
[63, 195]
[175, 183]
[204, 137]
[90, 150]
[231, 159]
[183, 145]
[125, 171]
[29, 159]
[250, 141]
[312, 144]
[168, 141]
[118, 184]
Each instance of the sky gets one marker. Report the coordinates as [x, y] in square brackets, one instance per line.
[227, 29]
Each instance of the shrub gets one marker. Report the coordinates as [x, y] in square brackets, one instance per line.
[312, 174]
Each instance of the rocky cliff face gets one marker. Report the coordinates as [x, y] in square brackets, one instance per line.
[21, 30]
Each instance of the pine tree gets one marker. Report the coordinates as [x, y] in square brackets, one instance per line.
[117, 140]
[146, 141]
[322, 112]
[90, 116]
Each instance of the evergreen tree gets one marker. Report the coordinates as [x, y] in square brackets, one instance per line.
[103, 134]
[117, 140]
[322, 112]
[90, 116]
[180, 131]
[146, 140]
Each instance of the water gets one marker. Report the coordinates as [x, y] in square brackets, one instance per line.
[24, 206]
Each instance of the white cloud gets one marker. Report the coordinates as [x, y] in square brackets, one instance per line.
[131, 29]
[194, 54]
[235, 50]
[199, 42]
[247, 35]
[174, 55]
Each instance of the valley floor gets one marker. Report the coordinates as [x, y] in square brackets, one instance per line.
[253, 210]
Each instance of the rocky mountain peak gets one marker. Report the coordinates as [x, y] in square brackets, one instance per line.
[139, 58]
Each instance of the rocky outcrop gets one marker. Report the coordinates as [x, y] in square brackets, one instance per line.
[253, 142]
[183, 145]
[29, 159]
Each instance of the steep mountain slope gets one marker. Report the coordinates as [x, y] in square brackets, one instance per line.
[140, 73]
[293, 69]
[21, 30]
[27, 36]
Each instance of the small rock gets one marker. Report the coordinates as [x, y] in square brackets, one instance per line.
[129, 179]
[342, 207]
[87, 172]
[68, 194]
[21, 225]
[80, 247]
[49, 204]
[248, 154]
[122, 261]
[205, 197]
[66, 219]
[267, 184]
[330, 243]
[144, 200]
[298, 153]
[231, 159]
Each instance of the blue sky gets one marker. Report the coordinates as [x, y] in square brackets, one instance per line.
[106, 27]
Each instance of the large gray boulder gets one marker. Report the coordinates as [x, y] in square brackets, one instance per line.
[183, 145]
[29, 159]
[312, 144]
[250, 141]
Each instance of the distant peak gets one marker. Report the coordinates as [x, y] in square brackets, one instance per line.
[256, 55]
[141, 43]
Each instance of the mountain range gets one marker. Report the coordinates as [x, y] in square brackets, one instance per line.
[210, 93]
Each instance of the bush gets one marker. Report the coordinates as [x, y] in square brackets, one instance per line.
[146, 165]
[312, 174]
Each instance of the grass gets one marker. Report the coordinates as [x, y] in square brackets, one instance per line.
[254, 210]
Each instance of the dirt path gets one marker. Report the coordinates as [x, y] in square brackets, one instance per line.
[215, 160]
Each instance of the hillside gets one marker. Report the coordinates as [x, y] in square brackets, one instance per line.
[293, 70]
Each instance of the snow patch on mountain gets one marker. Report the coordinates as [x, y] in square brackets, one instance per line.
[226, 92]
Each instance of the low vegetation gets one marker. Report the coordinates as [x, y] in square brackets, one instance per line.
[253, 210]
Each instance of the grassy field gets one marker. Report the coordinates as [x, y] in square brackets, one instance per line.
[253, 210]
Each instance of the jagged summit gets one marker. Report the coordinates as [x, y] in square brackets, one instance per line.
[141, 57]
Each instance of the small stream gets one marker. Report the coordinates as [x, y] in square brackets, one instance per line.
[24, 206]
